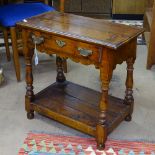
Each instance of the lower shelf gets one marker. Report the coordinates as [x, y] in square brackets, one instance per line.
[77, 107]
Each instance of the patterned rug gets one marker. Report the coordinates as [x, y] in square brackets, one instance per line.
[46, 144]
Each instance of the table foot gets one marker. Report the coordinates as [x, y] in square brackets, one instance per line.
[30, 115]
[128, 118]
[101, 146]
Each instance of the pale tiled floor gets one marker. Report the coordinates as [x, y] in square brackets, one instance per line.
[13, 122]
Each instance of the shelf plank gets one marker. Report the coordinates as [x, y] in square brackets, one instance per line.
[128, 7]
[78, 107]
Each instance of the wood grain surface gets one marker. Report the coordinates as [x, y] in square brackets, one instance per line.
[96, 31]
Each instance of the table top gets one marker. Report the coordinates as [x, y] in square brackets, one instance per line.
[86, 29]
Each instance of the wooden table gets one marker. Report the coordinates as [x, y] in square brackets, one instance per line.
[87, 41]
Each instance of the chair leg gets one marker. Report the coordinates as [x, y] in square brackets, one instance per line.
[65, 65]
[5, 32]
[15, 52]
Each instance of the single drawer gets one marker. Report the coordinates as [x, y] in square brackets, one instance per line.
[66, 46]
[47, 42]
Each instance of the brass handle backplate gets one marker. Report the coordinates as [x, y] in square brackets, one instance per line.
[37, 40]
[60, 43]
[84, 52]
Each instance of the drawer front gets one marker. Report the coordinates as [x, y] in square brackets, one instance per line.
[68, 47]
[59, 44]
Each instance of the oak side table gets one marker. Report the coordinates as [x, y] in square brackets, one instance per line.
[87, 41]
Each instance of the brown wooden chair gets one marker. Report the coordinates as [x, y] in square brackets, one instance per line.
[149, 25]
[12, 30]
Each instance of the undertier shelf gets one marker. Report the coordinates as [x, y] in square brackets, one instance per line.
[78, 107]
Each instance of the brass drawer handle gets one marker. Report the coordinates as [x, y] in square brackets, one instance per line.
[60, 43]
[37, 40]
[84, 52]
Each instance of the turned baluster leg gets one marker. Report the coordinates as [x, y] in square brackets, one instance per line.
[60, 75]
[129, 100]
[29, 97]
[102, 125]
[29, 88]
[101, 129]
[65, 65]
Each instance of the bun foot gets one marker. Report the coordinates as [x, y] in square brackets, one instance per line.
[101, 146]
[128, 118]
[30, 115]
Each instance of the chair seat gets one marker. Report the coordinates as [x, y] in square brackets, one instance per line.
[13, 13]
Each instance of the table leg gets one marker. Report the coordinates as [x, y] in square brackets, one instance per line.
[60, 75]
[29, 88]
[101, 129]
[129, 100]
[65, 65]
[29, 97]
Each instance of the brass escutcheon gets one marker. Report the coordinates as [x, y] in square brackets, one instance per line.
[60, 43]
[84, 52]
[37, 40]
